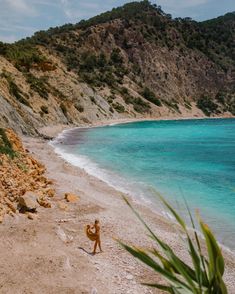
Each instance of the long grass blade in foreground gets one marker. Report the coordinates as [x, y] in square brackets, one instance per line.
[204, 276]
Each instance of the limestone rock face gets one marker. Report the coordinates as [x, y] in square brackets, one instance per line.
[28, 202]
[23, 185]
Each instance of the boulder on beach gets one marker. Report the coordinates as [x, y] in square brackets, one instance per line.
[70, 197]
[28, 202]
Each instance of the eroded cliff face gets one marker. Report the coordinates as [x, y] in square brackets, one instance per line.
[23, 185]
[132, 62]
[69, 100]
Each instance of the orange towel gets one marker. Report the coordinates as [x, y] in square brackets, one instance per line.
[90, 235]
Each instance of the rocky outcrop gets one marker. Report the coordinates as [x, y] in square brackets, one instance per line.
[28, 202]
[23, 185]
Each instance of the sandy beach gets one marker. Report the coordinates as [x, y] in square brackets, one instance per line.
[52, 254]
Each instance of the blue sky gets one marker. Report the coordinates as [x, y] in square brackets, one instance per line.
[21, 18]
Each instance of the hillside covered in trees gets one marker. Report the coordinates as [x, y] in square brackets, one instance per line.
[133, 61]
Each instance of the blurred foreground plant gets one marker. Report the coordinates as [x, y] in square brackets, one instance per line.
[205, 274]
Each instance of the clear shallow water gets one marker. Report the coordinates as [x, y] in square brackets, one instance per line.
[194, 159]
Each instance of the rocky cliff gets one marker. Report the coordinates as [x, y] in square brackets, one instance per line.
[135, 61]
[23, 185]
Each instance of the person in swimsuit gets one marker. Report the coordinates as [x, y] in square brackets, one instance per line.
[97, 232]
[94, 236]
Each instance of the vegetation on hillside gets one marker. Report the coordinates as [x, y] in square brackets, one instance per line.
[38, 85]
[125, 33]
[22, 54]
[14, 89]
[5, 144]
[207, 105]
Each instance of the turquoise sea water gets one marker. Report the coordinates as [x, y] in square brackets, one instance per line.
[194, 159]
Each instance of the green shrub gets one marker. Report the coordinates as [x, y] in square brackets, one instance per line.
[57, 93]
[116, 57]
[220, 97]
[173, 104]
[37, 85]
[79, 107]
[14, 90]
[124, 91]
[109, 79]
[5, 145]
[111, 109]
[231, 107]
[187, 105]
[205, 275]
[139, 104]
[150, 96]
[44, 109]
[111, 98]
[17, 93]
[88, 61]
[22, 54]
[92, 98]
[207, 105]
[64, 109]
[118, 107]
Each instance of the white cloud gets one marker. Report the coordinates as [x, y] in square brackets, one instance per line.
[75, 11]
[66, 8]
[21, 7]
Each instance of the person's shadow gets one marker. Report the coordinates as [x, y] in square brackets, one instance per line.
[87, 252]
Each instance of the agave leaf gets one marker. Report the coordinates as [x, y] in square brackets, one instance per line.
[166, 263]
[196, 262]
[145, 258]
[161, 287]
[204, 274]
[167, 249]
[172, 290]
[153, 236]
[181, 277]
[184, 270]
[173, 258]
[216, 261]
[221, 284]
[172, 210]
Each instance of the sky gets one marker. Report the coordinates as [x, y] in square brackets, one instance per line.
[21, 18]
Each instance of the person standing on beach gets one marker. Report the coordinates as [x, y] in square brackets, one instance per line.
[94, 236]
[97, 233]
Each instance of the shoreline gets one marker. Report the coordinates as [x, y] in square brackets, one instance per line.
[144, 203]
[113, 204]
[57, 251]
[52, 131]
[141, 201]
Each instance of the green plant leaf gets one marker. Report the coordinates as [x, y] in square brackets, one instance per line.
[175, 214]
[141, 255]
[161, 287]
[182, 278]
[216, 261]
